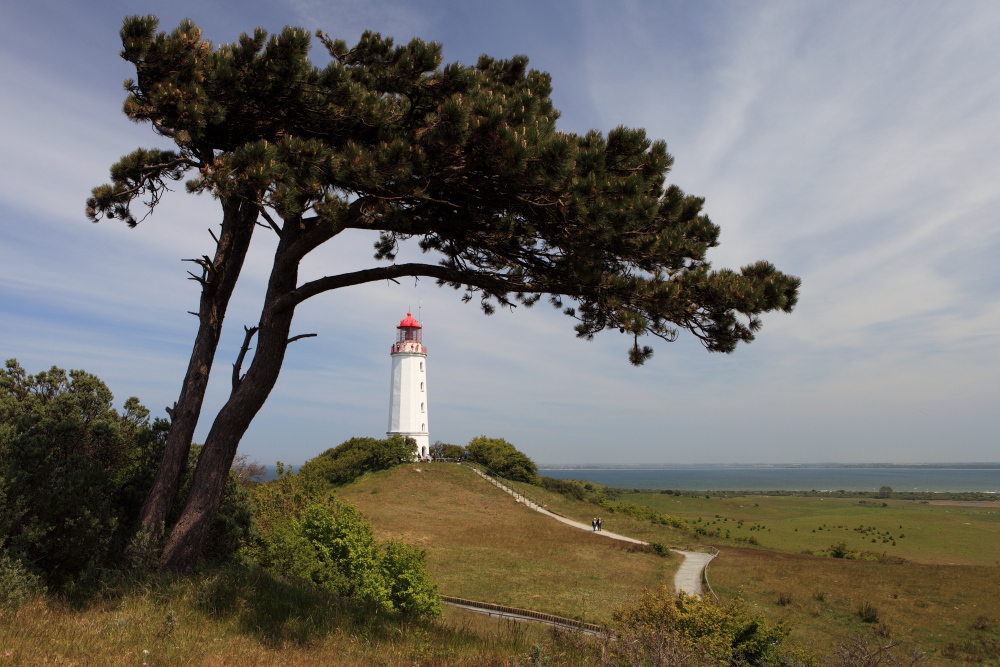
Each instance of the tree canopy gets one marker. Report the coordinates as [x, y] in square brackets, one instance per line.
[353, 458]
[466, 161]
[502, 458]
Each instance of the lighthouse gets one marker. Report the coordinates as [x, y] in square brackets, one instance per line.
[408, 386]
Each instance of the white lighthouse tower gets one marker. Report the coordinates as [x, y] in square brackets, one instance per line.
[408, 389]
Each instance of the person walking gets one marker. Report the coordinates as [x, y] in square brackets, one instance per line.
[599, 522]
[593, 524]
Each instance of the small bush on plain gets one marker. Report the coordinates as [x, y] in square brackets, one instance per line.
[868, 612]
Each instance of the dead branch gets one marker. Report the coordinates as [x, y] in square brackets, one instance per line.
[270, 221]
[237, 379]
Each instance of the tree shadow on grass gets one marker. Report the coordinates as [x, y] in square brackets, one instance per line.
[280, 611]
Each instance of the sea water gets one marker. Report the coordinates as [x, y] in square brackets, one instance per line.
[789, 479]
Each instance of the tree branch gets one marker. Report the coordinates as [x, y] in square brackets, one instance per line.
[494, 283]
[242, 355]
[295, 338]
[270, 221]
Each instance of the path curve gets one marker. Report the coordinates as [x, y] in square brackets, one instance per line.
[688, 576]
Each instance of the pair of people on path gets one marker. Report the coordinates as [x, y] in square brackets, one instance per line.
[596, 523]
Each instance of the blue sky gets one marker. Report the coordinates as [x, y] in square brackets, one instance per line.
[853, 144]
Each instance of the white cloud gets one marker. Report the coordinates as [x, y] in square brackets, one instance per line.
[855, 145]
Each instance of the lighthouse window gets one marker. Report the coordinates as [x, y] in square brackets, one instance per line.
[421, 365]
[423, 427]
[421, 407]
[421, 386]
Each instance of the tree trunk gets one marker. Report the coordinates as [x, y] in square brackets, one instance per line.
[189, 533]
[238, 222]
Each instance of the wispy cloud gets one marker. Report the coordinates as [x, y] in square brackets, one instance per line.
[853, 144]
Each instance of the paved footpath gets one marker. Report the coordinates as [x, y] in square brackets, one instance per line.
[688, 577]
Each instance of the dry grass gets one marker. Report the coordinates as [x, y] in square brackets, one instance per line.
[133, 630]
[937, 607]
[482, 545]
[615, 523]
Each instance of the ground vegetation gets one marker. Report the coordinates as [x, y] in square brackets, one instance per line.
[662, 628]
[306, 533]
[73, 473]
[502, 459]
[357, 456]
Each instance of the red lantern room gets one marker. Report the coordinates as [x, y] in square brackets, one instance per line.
[409, 336]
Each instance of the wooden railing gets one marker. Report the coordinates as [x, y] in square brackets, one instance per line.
[526, 613]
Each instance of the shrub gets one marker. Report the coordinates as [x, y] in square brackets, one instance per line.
[73, 470]
[661, 550]
[353, 458]
[982, 623]
[502, 459]
[567, 487]
[700, 628]
[643, 512]
[839, 550]
[17, 584]
[307, 533]
[868, 612]
[872, 652]
[444, 450]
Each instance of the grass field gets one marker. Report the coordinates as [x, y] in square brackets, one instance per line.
[941, 592]
[246, 621]
[482, 545]
[949, 611]
[951, 533]
[944, 597]
[616, 523]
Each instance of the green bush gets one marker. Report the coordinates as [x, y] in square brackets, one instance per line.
[74, 473]
[699, 630]
[567, 487]
[353, 458]
[307, 533]
[502, 459]
[444, 450]
[73, 470]
[641, 512]
[17, 584]
[839, 550]
[661, 550]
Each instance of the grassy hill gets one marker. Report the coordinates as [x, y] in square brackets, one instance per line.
[482, 545]
[937, 589]
[939, 592]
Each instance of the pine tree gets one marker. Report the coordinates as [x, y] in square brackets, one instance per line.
[464, 160]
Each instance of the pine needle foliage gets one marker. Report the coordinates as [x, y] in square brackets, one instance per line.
[466, 160]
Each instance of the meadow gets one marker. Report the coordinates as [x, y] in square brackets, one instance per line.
[929, 572]
[481, 545]
[246, 619]
[937, 532]
[937, 588]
